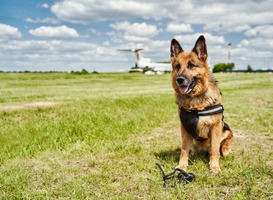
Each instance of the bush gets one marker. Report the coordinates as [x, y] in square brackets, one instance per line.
[84, 71]
[223, 67]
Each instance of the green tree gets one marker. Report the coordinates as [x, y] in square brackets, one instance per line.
[223, 67]
[249, 68]
[84, 71]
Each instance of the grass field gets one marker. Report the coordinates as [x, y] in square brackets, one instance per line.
[98, 136]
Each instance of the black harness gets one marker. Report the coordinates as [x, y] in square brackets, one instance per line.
[190, 118]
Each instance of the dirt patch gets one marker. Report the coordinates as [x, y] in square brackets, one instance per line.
[239, 134]
[19, 106]
[259, 102]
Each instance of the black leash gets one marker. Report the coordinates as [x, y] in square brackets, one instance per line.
[177, 176]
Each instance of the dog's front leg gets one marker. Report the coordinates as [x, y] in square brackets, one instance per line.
[186, 145]
[216, 133]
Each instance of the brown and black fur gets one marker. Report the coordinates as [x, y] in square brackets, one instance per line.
[196, 89]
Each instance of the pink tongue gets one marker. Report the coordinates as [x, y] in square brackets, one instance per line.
[183, 89]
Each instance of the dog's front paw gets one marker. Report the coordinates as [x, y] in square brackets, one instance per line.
[215, 169]
[181, 167]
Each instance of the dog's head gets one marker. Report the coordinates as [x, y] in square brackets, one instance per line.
[190, 73]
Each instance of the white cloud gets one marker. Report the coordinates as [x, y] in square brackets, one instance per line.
[235, 16]
[7, 32]
[228, 17]
[262, 31]
[133, 38]
[48, 20]
[238, 28]
[94, 31]
[179, 28]
[258, 44]
[134, 32]
[45, 5]
[86, 11]
[225, 27]
[138, 29]
[46, 55]
[55, 32]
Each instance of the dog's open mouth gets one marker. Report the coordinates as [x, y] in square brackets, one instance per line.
[186, 89]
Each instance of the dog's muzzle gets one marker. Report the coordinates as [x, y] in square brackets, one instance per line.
[185, 85]
[182, 80]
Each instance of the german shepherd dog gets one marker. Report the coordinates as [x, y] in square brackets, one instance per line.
[199, 101]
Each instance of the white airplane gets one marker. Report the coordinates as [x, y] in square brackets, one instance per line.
[145, 65]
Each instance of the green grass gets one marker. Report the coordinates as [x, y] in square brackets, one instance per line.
[105, 133]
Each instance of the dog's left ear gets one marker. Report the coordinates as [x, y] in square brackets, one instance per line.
[200, 48]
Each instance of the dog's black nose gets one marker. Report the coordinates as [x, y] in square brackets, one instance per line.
[181, 80]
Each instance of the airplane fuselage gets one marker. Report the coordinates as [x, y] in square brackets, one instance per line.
[145, 63]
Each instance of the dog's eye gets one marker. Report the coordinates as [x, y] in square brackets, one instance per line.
[177, 66]
[191, 65]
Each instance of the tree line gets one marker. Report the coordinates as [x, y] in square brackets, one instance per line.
[227, 67]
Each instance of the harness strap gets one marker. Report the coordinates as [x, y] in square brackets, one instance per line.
[212, 110]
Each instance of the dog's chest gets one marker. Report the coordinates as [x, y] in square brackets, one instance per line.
[196, 125]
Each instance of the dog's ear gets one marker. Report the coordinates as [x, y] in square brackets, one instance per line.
[200, 48]
[175, 48]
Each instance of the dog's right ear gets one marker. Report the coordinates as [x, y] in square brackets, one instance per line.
[175, 48]
[200, 48]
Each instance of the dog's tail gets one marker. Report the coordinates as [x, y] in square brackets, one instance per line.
[226, 141]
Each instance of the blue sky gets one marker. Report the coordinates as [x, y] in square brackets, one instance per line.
[65, 35]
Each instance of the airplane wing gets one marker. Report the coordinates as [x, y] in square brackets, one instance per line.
[137, 52]
[133, 50]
